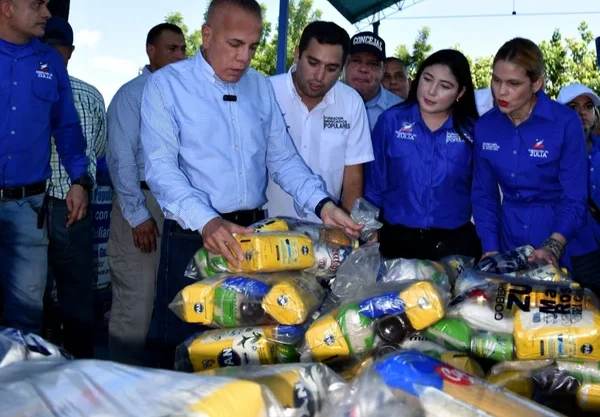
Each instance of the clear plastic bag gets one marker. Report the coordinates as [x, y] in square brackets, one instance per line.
[367, 214]
[438, 389]
[387, 314]
[506, 262]
[304, 390]
[16, 346]
[456, 265]
[86, 388]
[228, 301]
[533, 320]
[261, 345]
[281, 244]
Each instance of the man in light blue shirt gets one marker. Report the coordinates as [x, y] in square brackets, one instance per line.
[134, 240]
[364, 72]
[211, 128]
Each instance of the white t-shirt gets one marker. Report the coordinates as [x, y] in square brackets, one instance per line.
[334, 134]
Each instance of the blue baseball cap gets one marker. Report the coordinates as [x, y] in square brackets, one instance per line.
[58, 32]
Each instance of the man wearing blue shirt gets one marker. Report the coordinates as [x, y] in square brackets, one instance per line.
[134, 241]
[211, 129]
[364, 72]
[36, 100]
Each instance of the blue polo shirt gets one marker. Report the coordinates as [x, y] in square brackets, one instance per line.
[541, 168]
[419, 178]
[36, 101]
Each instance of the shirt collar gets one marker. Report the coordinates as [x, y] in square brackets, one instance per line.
[328, 99]
[375, 101]
[416, 115]
[208, 71]
[543, 107]
[20, 50]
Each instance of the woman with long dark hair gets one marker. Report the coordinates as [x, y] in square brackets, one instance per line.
[534, 149]
[421, 175]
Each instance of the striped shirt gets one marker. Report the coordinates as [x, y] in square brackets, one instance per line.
[92, 116]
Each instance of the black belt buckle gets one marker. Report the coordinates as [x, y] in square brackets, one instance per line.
[10, 192]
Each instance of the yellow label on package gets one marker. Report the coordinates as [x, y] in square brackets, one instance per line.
[463, 362]
[557, 332]
[271, 225]
[197, 302]
[588, 397]
[325, 340]
[423, 304]
[518, 382]
[291, 300]
[232, 347]
[272, 252]
[238, 398]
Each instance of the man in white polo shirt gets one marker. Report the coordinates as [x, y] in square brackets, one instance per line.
[325, 118]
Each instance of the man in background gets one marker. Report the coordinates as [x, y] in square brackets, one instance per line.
[395, 77]
[70, 241]
[326, 119]
[364, 73]
[136, 221]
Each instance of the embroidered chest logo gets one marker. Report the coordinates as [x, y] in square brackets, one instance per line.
[406, 131]
[43, 71]
[337, 123]
[453, 137]
[487, 146]
[537, 150]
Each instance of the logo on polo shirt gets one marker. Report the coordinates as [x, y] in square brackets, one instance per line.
[367, 40]
[337, 123]
[537, 150]
[453, 137]
[406, 131]
[43, 71]
[487, 146]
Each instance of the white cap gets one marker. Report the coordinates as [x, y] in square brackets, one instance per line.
[570, 92]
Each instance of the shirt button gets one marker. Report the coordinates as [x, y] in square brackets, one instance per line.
[515, 152]
[15, 83]
[592, 169]
[512, 175]
[9, 157]
[594, 187]
[525, 227]
[518, 195]
[14, 108]
[12, 132]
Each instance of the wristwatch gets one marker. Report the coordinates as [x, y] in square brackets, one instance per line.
[321, 204]
[85, 181]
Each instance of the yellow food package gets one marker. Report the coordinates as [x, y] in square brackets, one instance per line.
[275, 252]
[423, 304]
[196, 303]
[324, 339]
[463, 362]
[557, 332]
[293, 298]
[337, 237]
[271, 225]
[518, 382]
[588, 397]
[238, 398]
[239, 347]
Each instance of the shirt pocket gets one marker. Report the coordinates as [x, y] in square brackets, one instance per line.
[332, 155]
[400, 155]
[45, 94]
[459, 153]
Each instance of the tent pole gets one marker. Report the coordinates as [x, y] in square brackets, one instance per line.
[282, 36]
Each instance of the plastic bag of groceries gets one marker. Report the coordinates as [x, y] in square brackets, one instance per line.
[16, 346]
[260, 345]
[281, 244]
[87, 388]
[302, 389]
[352, 368]
[438, 389]
[386, 314]
[529, 320]
[563, 385]
[365, 268]
[249, 300]
[456, 265]
[366, 214]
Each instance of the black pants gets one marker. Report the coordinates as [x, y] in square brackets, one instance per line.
[178, 246]
[71, 267]
[397, 241]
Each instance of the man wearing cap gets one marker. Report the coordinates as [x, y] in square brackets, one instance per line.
[70, 249]
[395, 77]
[38, 101]
[134, 241]
[326, 119]
[364, 73]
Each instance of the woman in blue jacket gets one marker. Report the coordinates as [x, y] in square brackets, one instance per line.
[422, 172]
[534, 149]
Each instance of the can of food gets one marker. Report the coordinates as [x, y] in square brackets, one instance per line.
[494, 346]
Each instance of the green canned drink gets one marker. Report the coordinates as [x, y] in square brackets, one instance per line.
[494, 346]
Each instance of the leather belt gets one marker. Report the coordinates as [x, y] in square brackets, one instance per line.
[18, 193]
[244, 217]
